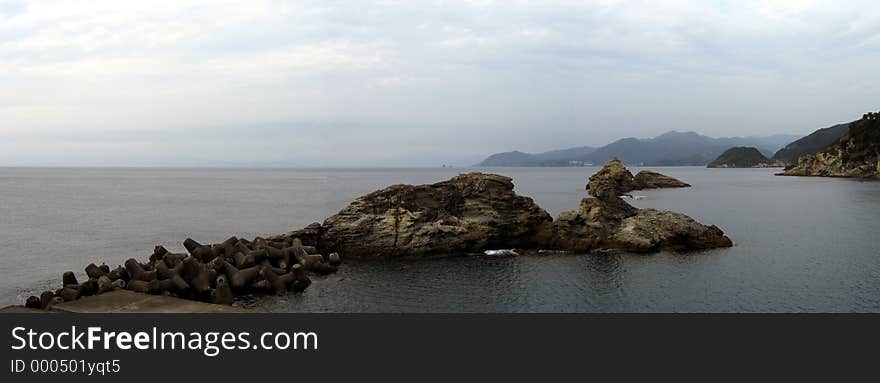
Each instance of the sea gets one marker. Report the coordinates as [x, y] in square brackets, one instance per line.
[801, 244]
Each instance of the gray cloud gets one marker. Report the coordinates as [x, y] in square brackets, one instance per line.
[417, 83]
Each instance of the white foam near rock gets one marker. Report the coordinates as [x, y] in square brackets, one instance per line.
[500, 253]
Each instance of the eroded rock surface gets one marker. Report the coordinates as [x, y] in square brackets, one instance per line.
[606, 221]
[468, 213]
[856, 154]
[475, 212]
[652, 230]
[647, 179]
[616, 175]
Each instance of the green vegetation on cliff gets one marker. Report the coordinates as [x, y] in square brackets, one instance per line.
[855, 154]
[811, 143]
[862, 142]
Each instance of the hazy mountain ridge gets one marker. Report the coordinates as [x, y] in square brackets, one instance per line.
[668, 149]
[559, 157]
[855, 154]
[812, 143]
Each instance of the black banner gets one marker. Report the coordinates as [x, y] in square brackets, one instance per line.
[413, 347]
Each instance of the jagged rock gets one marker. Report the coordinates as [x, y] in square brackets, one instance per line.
[653, 230]
[614, 176]
[468, 213]
[647, 179]
[605, 221]
[831, 163]
[476, 212]
[308, 236]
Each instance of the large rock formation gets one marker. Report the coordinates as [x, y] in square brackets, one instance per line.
[647, 179]
[612, 175]
[475, 212]
[468, 213]
[652, 230]
[605, 221]
[619, 177]
[856, 154]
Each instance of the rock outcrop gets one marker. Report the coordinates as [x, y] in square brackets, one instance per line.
[652, 230]
[605, 221]
[856, 154]
[475, 212]
[613, 175]
[811, 144]
[468, 213]
[616, 175]
[647, 179]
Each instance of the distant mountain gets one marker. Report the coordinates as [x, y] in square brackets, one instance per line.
[565, 154]
[514, 158]
[551, 158]
[668, 149]
[812, 143]
[742, 157]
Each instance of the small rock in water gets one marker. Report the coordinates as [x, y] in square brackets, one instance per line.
[500, 253]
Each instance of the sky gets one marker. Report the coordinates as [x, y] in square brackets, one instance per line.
[415, 83]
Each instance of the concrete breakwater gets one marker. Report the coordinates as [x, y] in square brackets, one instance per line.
[214, 273]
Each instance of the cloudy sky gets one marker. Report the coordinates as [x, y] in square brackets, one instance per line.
[380, 83]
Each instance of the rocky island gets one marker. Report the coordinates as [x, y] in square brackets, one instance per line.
[744, 157]
[856, 154]
[475, 212]
[470, 213]
[624, 182]
[605, 221]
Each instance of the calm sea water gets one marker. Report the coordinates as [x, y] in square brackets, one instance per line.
[802, 244]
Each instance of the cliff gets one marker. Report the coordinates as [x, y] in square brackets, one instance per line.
[812, 143]
[855, 154]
